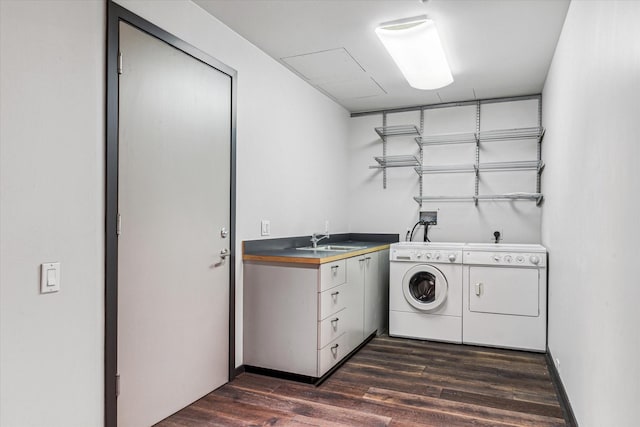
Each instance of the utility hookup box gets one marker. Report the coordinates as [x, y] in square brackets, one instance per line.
[429, 217]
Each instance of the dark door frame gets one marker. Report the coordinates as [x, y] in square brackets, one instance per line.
[115, 15]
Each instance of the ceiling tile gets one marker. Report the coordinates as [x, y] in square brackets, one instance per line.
[328, 65]
[352, 89]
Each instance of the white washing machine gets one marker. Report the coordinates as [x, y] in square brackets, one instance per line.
[425, 291]
[505, 296]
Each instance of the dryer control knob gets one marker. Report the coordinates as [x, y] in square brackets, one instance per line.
[496, 258]
[437, 255]
[507, 258]
[428, 256]
[534, 259]
[452, 257]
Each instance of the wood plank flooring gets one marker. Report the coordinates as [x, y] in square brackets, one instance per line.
[393, 382]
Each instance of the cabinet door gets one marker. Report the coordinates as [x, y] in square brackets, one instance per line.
[504, 290]
[374, 294]
[355, 320]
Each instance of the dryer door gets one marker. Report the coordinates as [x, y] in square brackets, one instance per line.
[424, 287]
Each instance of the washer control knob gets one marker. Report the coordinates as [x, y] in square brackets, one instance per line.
[520, 259]
[534, 259]
[428, 255]
[452, 257]
[507, 258]
[418, 255]
[436, 255]
[496, 258]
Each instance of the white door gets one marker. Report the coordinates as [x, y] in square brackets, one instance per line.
[173, 201]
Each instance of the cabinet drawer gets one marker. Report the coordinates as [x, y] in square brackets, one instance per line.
[332, 327]
[332, 300]
[331, 354]
[332, 274]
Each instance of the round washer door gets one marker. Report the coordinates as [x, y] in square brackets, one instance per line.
[424, 287]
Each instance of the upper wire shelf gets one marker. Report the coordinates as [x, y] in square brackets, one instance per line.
[395, 161]
[448, 138]
[384, 131]
[508, 134]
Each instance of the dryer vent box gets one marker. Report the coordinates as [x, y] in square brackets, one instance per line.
[430, 217]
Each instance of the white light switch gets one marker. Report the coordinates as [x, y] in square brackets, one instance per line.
[49, 277]
[265, 227]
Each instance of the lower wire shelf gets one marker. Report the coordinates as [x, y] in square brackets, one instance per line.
[537, 197]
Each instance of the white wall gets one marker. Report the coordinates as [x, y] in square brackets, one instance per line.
[51, 209]
[392, 210]
[590, 218]
[292, 166]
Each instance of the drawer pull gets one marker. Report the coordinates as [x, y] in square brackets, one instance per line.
[335, 294]
[335, 266]
[334, 350]
[335, 320]
[368, 258]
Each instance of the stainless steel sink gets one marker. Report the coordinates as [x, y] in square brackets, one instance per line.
[331, 248]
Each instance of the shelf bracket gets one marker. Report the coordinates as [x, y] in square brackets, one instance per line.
[384, 151]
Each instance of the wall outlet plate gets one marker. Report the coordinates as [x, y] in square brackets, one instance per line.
[430, 217]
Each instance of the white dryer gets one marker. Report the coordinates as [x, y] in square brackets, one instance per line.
[425, 291]
[505, 296]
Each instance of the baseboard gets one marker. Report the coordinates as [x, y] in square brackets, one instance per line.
[239, 370]
[565, 405]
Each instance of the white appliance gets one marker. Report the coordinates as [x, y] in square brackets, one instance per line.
[425, 291]
[505, 296]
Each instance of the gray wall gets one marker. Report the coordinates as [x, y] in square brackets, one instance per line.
[590, 217]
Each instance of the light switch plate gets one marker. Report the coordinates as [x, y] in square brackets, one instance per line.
[49, 277]
[265, 227]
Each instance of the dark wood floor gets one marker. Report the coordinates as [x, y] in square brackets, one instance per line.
[393, 382]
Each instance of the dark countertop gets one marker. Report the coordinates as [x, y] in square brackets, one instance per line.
[284, 250]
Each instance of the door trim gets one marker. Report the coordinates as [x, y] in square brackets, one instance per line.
[116, 14]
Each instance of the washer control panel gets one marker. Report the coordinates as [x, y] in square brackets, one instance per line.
[440, 256]
[516, 259]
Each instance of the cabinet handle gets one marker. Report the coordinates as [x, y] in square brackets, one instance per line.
[361, 259]
[367, 258]
[335, 294]
[334, 350]
[478, 287]
[334, 320]
[335, 266]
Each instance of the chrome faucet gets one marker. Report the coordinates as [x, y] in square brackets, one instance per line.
[315, 239]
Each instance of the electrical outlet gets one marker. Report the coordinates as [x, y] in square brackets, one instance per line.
[496, 229]
[265, 227]
[430, 217]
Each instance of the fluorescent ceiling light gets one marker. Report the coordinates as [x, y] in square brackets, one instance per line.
[415, 47]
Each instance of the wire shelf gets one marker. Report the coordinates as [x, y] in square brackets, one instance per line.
[537, 197]
[420, 170]
[509, 134]
[512, 196]
[395, 162]
[399, 130]
[450, 138]
[536, 165]
[421, 199]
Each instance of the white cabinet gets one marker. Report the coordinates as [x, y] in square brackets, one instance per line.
[304, 319]
[371, 272]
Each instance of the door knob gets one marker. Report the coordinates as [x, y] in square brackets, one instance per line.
[224, 253]
[224, 232]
